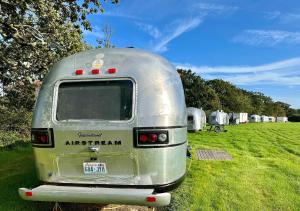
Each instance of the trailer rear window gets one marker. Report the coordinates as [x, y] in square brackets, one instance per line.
[97, 100]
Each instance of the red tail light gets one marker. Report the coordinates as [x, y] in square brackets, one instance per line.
[42, 137]
[153, 137]
[151, 199]
[143, 138]
[149, 137]
[28, 193]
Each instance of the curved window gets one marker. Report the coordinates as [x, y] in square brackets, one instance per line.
[95, 100]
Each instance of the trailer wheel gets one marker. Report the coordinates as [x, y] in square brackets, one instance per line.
[217, 129]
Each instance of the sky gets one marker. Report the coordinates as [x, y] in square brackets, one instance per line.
[254, 44]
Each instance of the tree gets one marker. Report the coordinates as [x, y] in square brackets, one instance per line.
[106, 41]
[197, 93]
[232, 98]
[36, 34]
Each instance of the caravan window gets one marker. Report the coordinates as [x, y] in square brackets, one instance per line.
[95, 100]
[190, 118]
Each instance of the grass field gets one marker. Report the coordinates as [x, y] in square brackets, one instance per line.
[263, 175]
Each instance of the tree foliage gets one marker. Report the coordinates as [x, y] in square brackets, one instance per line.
[34, 34]
[197, 93]
[219, 94]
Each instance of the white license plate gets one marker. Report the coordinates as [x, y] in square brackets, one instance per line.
[94, 168]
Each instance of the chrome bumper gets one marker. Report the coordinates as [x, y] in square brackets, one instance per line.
[53, 193]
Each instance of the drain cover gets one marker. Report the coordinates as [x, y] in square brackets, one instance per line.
[213, 155]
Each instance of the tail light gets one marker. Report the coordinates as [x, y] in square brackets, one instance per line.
[151, 137]
[42, 137]
[151, 199]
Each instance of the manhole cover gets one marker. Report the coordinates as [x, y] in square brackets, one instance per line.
[213, 155]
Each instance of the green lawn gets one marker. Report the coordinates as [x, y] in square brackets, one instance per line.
[263, 175]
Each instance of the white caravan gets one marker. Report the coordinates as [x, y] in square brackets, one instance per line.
[281, 119]
[196, 119]
[264, 118]
[255, 118]
[238, 118]
[272, 119]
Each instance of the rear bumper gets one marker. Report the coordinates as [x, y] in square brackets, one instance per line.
[54, 193]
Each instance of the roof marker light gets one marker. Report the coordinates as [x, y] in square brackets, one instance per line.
[112, 70]
[95, 71]
[79, 72]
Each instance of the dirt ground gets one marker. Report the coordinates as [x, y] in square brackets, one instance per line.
[99, 207]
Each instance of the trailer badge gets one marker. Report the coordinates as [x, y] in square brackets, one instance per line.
[80, 134]
[98, 62]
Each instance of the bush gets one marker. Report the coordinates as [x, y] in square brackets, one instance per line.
[15, 125]
[10, 138]
[15, 120]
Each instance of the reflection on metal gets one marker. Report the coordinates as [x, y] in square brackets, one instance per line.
[212, 155]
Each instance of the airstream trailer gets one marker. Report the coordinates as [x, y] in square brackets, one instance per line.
[281, 119]
[109, 127]
[255, 118]
[196, 119]
[264, 118]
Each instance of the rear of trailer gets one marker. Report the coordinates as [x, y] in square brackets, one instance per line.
[109, 127]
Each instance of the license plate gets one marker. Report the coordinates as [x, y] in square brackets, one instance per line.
[94, 168]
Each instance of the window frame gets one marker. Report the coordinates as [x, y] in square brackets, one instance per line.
[55, 101]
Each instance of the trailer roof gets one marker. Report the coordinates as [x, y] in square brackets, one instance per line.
[128, 62]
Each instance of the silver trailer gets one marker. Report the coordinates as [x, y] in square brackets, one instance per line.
[109, 127]
[264, 118]
[255, 118]
[196, 119]
[219, 118]
[281, 119]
